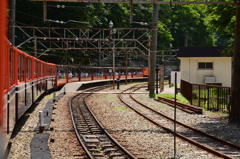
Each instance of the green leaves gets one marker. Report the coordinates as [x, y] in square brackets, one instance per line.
[220, 20]
[192, 24]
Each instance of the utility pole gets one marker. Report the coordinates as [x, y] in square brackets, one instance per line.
[44, 11]
[35, 46]
[126, 63]
[162, 78]
[131, 11]
[235, 100]
[153, 51]
[12, 22]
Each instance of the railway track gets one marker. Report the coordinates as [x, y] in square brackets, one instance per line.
[96, 141]
[184, 107]
[196, 137]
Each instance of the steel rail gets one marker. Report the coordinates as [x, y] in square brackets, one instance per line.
[179, 107]
[89, 154]
[76, 131]
[184, 107]
[207, 148]
[188, 126]
[110, 137]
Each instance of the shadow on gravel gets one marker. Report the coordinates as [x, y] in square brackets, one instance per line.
[20, 123]
[219, 127]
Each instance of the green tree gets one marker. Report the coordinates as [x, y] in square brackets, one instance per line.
[220, 20]
[174, 23]
[187, 26]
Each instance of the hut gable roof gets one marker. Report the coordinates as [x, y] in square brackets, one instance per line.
[200, 52]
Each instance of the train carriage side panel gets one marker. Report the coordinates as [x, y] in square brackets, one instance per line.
[20, 87]
[11, 117]
[3, 33]
[145, 72]
[28, 81]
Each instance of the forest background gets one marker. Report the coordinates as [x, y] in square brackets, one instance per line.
[178, 25]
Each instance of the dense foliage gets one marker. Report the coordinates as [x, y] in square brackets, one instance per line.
[179, 25]
[221, 20]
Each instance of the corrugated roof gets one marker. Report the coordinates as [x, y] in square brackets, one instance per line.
[200, 52]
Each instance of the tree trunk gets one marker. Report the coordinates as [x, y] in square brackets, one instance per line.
[153, 52]
[235, 100]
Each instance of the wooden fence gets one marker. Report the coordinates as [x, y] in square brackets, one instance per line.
[210, 97]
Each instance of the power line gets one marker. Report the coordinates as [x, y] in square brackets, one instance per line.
[143, 1]
[30, 15]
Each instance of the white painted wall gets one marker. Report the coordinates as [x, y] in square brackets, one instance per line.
[173, 77]
[222, 69]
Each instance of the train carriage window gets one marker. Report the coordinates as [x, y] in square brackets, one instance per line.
[49, 72]
[12, 64]
[21, 67]
[35, 69]
[53, 71]
[19, 64]
[44, 69]
[29, 68]
[26, 68]
[39, 69]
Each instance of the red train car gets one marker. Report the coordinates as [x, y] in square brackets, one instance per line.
[23, 79]
[145, 72]
[3, 26]
[68, 74]
[26, 78]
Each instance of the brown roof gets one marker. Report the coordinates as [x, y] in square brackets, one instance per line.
[200, 52]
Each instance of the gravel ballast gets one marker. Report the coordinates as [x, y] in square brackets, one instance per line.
[62, 139]
[135, 133]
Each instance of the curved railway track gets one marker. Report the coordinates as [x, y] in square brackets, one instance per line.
[196, 137]
[96, 141]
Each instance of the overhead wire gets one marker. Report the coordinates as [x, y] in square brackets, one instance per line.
[100, 16]
[29, 15]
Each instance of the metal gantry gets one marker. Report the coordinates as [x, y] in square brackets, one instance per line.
[87, 40]
[91, 41]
